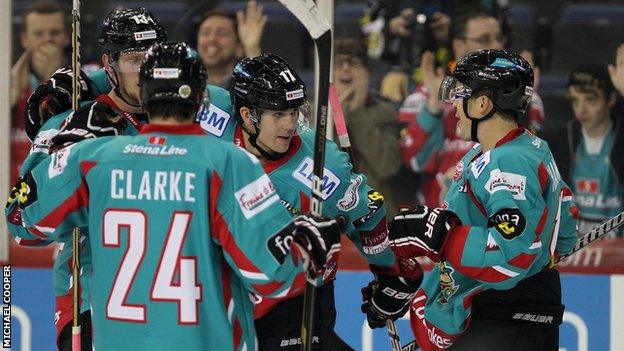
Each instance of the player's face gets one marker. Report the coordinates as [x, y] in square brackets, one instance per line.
[481, 33]
[277, 127]
[591, 108]
[42, 28]
[127, 67]
[217, 42]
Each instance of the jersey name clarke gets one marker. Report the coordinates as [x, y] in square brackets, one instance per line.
[152, 185]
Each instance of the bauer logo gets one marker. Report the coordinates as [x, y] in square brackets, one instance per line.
[512, 182]
[294, 94]
[304, 174]
[256, 196]
[214, 120]
[146, 35]
[166, 73]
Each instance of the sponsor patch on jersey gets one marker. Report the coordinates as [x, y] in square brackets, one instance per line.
[214, 120]
[509, 222]
[304, 174]
[156, 140]
[448, 287]
[587, 185]
[27, 192]
[145, 35]
[512, 182]
[459, 168]
[478, 165]
[256, 196]
[155, 149]
[375, 241]
[59, 161]
[374, 202]
[351, 197]
[166, 73]
[294, 94]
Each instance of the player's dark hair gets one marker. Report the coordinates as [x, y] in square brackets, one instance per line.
[170, 111]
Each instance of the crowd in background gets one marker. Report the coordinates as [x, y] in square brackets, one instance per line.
[403, 138]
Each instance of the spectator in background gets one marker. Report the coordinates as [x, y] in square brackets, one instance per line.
[371, 122]
[429, 144]
[591, 160]
[44, 37]
[224, 38]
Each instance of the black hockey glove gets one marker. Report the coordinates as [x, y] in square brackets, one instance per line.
[53, 97]
[93, 121]
[388, 296]
[318, 241]
[421, 231]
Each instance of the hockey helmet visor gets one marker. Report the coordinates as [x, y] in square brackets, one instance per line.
[452, 90]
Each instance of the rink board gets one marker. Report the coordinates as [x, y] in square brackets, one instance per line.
[591, 323]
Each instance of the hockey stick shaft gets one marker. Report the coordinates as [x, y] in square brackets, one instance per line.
[76, 329]
[317, 26]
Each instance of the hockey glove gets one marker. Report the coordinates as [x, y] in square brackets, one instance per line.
[53, 97]
[318, 241]
[94, 121]
[388, 296]
[421, 231]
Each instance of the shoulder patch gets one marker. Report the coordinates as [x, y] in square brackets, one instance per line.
[511, 182]
[59, 161]
[256, 196]
[351, 197]
[478, 165]
[304, 174]
[214, 120]
[508, 222]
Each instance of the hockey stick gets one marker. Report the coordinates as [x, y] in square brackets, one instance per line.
[595, 234]
[76, 330]
[345, 144]
[319, 29]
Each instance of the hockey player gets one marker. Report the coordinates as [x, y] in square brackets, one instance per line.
[267, 95]
[170, 214]
[124, 53]
[506, 218]
[429, 143]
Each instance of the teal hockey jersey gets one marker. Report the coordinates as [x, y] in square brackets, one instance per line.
[346, 195]
[180, 233]
[517, 216]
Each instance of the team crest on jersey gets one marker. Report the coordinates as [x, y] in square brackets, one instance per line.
[447, 283]
[214, 120]
[351, 197]
[587, 185]
[304, 174]
[458, 170]
[478, 165]
[256, 196]
[511, 182]
[156, 140]
[59, 161]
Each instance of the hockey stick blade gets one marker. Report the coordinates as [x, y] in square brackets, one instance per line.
[307, 13]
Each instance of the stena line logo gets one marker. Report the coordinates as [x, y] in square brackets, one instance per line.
[304, 173]
[254, 197]
[214, 120]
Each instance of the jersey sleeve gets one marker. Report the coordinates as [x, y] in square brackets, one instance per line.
[249, 222]
[55, 199]
[99, 82]
[360, 209]
[523, 208]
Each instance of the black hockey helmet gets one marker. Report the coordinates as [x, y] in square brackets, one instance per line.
[506, 75]
[172, 72]
[133, 29]
[266, 82]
